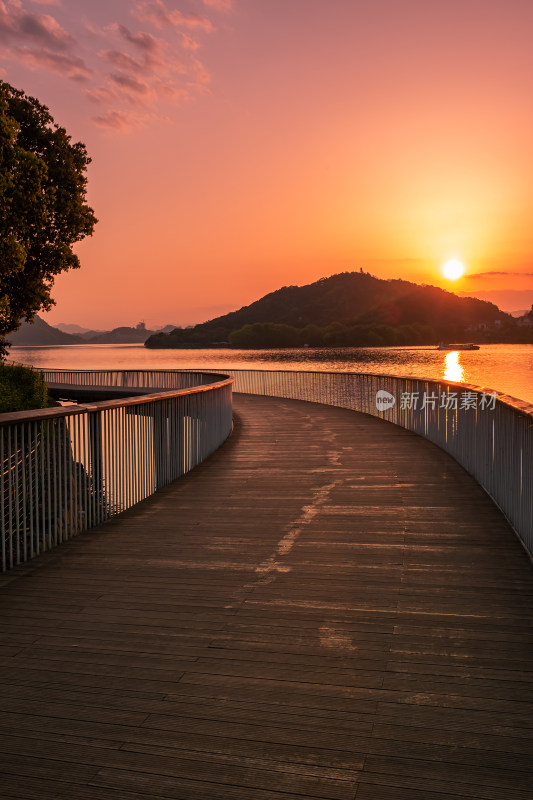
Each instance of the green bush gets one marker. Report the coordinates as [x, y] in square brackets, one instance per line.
[21, 389]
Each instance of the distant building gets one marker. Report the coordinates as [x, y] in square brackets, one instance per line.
[140, 327]
[484, 327]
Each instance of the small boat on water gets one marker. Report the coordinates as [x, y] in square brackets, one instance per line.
[443, 346]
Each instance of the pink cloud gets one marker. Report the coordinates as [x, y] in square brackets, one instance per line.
[63, 64]
[143, 41]
[156, 12]
[117, 120]
[157, 58]
[39, 42]
[46, 29]
[151, 54]
[94, 30]
[188, 42]
[149, 70]
[134, 72]
[124, 121]
[102, 95]
[18, 26]
[129, 83]
[122, 60]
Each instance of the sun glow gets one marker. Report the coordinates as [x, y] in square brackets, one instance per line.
[453, 269]
[453, 369]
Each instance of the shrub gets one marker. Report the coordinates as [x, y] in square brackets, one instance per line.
[21, 389]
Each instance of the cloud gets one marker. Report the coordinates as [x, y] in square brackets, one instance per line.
[146, 69]
[39, 42]
[188, 42]
[496, 273]
[147, 59]
[129, 83]
[132, 73]
[143, 41]
[18, 26]
[94, 30]
[46, 30]
[102, 96]
[122, 60]
[62, 64]
[117, 120]
[160, 16]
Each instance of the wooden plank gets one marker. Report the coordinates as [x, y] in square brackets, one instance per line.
[328, 607]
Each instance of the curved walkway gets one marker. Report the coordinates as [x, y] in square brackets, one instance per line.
[330, 607]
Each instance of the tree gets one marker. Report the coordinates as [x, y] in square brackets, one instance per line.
[43, 212]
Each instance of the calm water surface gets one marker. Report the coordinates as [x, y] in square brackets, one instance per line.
[504, 367]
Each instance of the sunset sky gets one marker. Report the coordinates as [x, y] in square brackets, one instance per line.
[243, 145]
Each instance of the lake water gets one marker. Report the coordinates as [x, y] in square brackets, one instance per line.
[506, 368]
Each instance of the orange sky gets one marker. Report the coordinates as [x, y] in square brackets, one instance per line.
[242, 145]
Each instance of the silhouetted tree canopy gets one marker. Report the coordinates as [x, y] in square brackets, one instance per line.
[43, 212]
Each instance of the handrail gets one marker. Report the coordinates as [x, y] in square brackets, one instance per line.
[66, 469]
[521, 406]
[494, 444]
[99, 405]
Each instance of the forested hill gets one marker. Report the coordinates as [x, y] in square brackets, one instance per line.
[345, 308]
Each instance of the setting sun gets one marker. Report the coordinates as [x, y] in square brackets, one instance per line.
[453, 269]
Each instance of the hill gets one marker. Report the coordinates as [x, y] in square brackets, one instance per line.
[123, 335]
[77, 330]
[40, 333]
[349, 308]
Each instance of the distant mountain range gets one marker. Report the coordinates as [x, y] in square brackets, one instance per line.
[352, 308]
[77, 330]
[349, 309]
[39, 333]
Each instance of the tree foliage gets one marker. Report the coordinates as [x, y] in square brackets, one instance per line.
[43, 212]
[21, 388]
[265, 335]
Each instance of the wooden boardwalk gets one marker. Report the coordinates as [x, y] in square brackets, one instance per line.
[328, 608]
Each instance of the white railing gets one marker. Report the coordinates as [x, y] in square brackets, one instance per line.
[489, 434]
[66, 469]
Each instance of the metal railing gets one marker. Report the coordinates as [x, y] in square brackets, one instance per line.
[489, 434]
[64, 470]
[492, 440]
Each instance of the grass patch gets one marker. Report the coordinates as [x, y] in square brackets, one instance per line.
[21, 389]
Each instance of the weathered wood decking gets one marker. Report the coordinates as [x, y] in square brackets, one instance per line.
[328, 608]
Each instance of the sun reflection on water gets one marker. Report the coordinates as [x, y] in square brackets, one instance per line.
[508, 368]
[453, 369]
